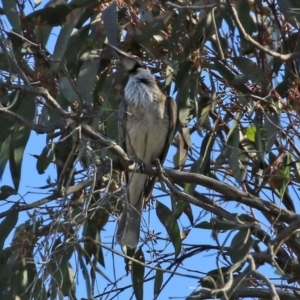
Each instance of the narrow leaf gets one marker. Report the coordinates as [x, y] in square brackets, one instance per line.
[110, 20]
[241, 245]
[159, 277]
[167, 218]
[87, 76]
[8, 224]
[19, 138]
[137, 275]
[12, 15]
[251, 71]
[64, 36]
[44, 160]
[272, 123]
[155, 26]
[6, 191]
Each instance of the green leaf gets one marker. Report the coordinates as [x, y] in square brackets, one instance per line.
[4, 155]
[250, 132]
[182, 76]
[251, 71]
[110, 21]
[201, 33]
[44, 160]
[80, 3]
[206, 152]
[12, 15]
[285, 176]
[183, 206]
[6, 191]
[76, 44]
[19, 138]
[64, 36]
[92, 245]
[87, 76]
[259, 142]
[243, 10]
[155, 26]
[137, 275]
[189, 188]
[6, 125]
[158, 280]
[207, 105]
[52, 16]
[39, 291]
[67, 89]
[233, 158]
[241, 245]
[272, 125]
[6, 265]
[167, 218]
[290, 10]
[19, 280]
[232, 149]
[230, 77]
[217, 223]
[8, 224]
[59, 268]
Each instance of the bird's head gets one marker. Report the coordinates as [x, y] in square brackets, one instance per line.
[130, 62]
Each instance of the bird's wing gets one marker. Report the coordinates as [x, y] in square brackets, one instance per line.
[171, 108]
[122, 117]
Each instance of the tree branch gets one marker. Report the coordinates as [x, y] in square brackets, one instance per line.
[247, 37]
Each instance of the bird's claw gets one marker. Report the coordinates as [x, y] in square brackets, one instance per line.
[140, 165]
[159, 166]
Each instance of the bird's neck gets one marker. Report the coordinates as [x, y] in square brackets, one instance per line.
[141, 89]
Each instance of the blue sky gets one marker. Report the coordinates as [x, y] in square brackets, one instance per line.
[179, 286]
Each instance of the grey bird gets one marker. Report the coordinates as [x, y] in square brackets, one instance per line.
[147, 121]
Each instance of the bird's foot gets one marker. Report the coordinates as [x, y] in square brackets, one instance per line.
[140, 165]
[159, 168]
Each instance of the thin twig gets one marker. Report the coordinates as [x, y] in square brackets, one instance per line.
[191, 6]
[247, 37]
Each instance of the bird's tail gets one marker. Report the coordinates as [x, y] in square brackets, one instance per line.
[128, 232]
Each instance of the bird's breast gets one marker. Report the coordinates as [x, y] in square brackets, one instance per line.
[147, 131]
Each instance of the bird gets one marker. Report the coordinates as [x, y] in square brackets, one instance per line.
[147, 122]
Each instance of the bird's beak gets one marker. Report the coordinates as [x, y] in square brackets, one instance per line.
[129, 61]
